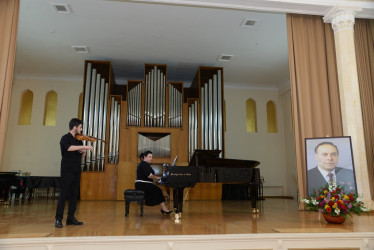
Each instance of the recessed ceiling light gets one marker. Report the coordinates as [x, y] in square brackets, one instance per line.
[249, 22]
[61, 8]
[81, 49]
[225, 57]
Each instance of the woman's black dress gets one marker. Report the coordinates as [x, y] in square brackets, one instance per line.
[152, 194]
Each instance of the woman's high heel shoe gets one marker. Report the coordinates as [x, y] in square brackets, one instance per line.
[164, 212]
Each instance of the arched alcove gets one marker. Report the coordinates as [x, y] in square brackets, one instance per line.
[50, 109]
[251, 116]
[25, 111]
[271, 117]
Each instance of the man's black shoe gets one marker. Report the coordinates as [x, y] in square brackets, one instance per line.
[73, 222]
[58, 224]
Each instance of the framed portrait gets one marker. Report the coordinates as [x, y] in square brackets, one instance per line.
[330, 160]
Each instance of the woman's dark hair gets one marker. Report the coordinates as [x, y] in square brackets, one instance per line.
[141, 156]
[74, 122]
[146, 153]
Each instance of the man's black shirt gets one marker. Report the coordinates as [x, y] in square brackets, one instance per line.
[71, 160]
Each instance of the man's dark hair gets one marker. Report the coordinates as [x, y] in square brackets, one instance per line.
[326, 143]
[74, 122]
[146, 153]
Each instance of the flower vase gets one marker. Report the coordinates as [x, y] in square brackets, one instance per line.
[334, 219]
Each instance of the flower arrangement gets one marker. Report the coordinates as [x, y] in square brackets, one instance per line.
[333, 201]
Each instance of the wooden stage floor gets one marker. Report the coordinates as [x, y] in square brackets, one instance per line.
[107, 218]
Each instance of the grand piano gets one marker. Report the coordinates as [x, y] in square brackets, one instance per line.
[205, 166]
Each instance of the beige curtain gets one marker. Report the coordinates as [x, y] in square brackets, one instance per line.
[9, 10]
[314, 85]
[365, 69]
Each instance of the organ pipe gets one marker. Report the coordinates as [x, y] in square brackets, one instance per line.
[192, 128]
[86, 102]
[95, 118]
[211, 114]
[175, 106]
[155, 88]
[220, 114]
[134, 105]
[104, 125]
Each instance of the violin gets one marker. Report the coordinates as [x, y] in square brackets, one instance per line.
[82, 137]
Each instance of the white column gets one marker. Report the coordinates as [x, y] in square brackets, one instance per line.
[342, 20]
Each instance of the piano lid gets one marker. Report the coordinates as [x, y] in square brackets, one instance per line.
[210, 158]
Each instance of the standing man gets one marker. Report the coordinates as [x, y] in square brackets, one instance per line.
[72, 152]
[326, 171]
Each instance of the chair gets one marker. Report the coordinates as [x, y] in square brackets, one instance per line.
[133, 195]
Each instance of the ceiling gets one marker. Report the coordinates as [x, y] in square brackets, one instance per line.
[130, 34]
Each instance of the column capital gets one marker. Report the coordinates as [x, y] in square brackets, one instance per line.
[342, 17]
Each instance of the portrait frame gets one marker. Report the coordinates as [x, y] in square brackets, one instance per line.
[345, 162]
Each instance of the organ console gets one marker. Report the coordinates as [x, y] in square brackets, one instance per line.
[206, 166]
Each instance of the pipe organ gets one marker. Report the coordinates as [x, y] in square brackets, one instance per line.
[97, 82]
[115, 121]
[175, 104]
[134, 101]
[211, 113]
[158, 144]
[192, 126]
[94, 117]
[155, 92]
[208, 87]
[158, 115]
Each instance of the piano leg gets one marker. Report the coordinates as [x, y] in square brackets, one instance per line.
[178, 199]
[253, 189]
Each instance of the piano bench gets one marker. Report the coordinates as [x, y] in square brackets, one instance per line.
[133, 195]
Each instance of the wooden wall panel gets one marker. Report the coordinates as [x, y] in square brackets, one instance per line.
[99, 185]
[126, 177]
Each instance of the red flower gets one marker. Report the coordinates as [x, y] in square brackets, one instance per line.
[331, 203]
[334, 192]
[337, 189]
[350, 197]
[344, 207]
[336, 196]
[328, 209]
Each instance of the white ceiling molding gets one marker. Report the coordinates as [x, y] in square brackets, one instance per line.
[250, 86]
[308, 7]
[50, 78]
[284, 88]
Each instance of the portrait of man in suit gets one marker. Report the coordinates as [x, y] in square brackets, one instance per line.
[327, 169]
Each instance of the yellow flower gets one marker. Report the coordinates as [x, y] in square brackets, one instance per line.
[326, 206]
[325, 192]
[333, 198]
[334, 206]
[346, 197]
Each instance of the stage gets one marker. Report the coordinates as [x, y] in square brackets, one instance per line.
[204, 224]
